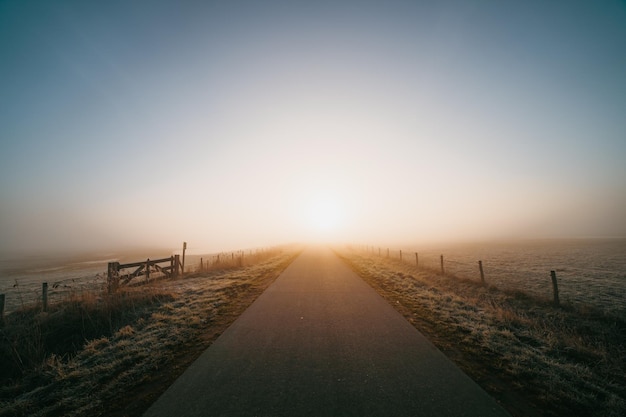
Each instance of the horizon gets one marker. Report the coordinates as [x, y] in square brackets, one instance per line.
[140, 252]
[241, 125]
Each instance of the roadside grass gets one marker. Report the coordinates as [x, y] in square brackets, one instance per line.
[96, 354]
[536, 359]
[233, 260]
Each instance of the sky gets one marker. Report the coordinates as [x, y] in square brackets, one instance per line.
[240, 124]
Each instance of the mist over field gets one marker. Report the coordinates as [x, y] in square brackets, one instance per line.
[234, 125]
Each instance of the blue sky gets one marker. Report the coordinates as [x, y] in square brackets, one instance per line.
[227, 124]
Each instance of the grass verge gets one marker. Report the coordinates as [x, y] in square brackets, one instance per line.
[537, 360]
[97, 355]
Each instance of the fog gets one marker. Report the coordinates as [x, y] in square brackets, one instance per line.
[233, 126]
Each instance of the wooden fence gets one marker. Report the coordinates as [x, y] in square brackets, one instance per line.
[116, 277]
[129, 274]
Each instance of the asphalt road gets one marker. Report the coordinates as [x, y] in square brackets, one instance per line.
[321, 342]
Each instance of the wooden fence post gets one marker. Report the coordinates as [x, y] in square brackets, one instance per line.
[172, 271]
[44, 296]
[201, 266]
[112, 276]
[182, 269]
[2, 309]
[442, 271]
[400, 255]
[177, 264]
[555, 288]
[417, 260]
[482, 274]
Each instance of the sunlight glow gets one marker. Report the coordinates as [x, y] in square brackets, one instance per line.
[324, 216]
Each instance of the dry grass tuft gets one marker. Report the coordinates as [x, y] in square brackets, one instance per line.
[31, 336]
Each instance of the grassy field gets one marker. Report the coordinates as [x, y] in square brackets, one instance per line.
[536, 359]
[95, 354]
[590, 272]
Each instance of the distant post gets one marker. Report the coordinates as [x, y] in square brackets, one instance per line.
[182, 269]
[555, 288]
[442, 271]
[44, 296]
[417, 260]
[482, 274]
[2, 309]
[400, 255]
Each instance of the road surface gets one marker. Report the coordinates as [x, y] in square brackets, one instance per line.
[321, 342]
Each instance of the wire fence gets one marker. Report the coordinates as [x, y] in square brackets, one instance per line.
[51, 286]
[582, 277]
[30, 293]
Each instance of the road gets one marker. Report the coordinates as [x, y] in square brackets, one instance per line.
[321, 342]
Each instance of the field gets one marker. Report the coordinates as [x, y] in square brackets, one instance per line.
[21, 278]
[591, 272]
[95, 354]
[113, 355]
[535, 358]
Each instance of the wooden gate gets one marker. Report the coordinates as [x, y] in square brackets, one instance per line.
[116, 276]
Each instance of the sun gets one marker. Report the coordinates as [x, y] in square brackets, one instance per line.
[324, 215]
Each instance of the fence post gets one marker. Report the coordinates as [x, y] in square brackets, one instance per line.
[112, 277]
[44, 296]
[201, 266]
[400, 255]
[2, 309]
[182, 269]
[555, 288]
[442, 271]
[417, 260]
[176, 263]
[482, 274]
